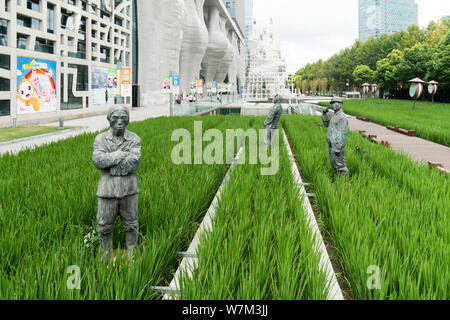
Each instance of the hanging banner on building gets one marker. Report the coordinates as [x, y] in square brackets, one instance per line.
[99, 85]
[193, 87]
[113, 80]
[176, 84]
[208, 86]
[214, 87]
[166, 85]
[36, 85]
[125, 82]
[224, 87]
[200, 86]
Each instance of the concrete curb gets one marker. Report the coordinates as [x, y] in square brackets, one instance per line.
[190, 263]
[335, 292]
[41, 136]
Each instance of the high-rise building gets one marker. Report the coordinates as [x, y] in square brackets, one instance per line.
[236, 9]
[248, 20]
[377, 17]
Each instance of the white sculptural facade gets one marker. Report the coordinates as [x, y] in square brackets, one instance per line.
[267, 74]
[190, 38]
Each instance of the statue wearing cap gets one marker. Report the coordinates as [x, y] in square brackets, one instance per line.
[273, 119]
[117, 154]
[337, 135]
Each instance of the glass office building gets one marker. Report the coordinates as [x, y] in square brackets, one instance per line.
[377, 17]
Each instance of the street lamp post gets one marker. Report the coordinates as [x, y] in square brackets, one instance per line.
[416, 90]
[432, 89]
[365, 87]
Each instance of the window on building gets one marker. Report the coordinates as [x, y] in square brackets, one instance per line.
[22, 40]
[5, 107]
[50, 18]
[106, 52]
[33, 5]
[3, 32]
[28, 22]
[5, 62]
[44, 45]
[81, 50]
[5, 84]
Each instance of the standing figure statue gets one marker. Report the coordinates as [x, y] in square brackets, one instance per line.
[117, 154]
[337, 135]
[272, 120]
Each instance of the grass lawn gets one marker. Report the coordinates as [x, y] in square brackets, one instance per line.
[432, 121]
[8, 134]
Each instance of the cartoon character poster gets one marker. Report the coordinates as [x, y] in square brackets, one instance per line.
[125, 82]
[193, 87]
[209, 86]
[214, 87]
[200, 86]
[99, 85]
[113, 79]
[36, 85]
[176, 84]
[166, 85]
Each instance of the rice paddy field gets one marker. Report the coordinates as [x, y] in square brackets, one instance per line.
[430, 120]
[260, 246]
[391, 213]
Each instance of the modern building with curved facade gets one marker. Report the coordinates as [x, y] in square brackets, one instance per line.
[191, 38]
[75, 58]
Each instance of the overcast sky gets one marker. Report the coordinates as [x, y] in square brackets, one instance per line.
[310, 30]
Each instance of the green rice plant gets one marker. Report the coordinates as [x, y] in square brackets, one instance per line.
[260, 247]
[392, 213]
[48, 207]
[429, 120]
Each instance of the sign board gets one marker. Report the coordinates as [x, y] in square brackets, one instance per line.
[176, 84]
[36, 85]
[166, 85]
[125, 82]
[113, 80]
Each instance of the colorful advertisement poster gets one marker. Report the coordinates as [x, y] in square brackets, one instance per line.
[224, 87]
[208, 86]
[125, 82]
[36, 85]
[200, 86]
[214, 87]
[193, 87]
[166, 85]
[113, 80]
[176, 84]
[99, 85]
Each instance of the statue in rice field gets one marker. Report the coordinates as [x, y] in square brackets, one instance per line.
[117, 154]
[337, 135]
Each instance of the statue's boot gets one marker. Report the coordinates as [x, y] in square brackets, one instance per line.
[106, 241]
[131, 239]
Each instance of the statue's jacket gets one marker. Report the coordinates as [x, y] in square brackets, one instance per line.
[337, 130]
[117, 181]
[274, 117]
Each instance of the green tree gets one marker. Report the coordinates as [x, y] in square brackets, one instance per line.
[386, 70]
[414, 63]
[439, 65]
[363, 73]
[305, 86]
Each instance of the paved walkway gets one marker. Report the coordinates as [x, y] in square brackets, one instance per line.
[86, 125]
[417, 148]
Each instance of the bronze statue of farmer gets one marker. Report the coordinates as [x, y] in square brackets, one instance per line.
[337, 135]
[273, 119]
[117, 154]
